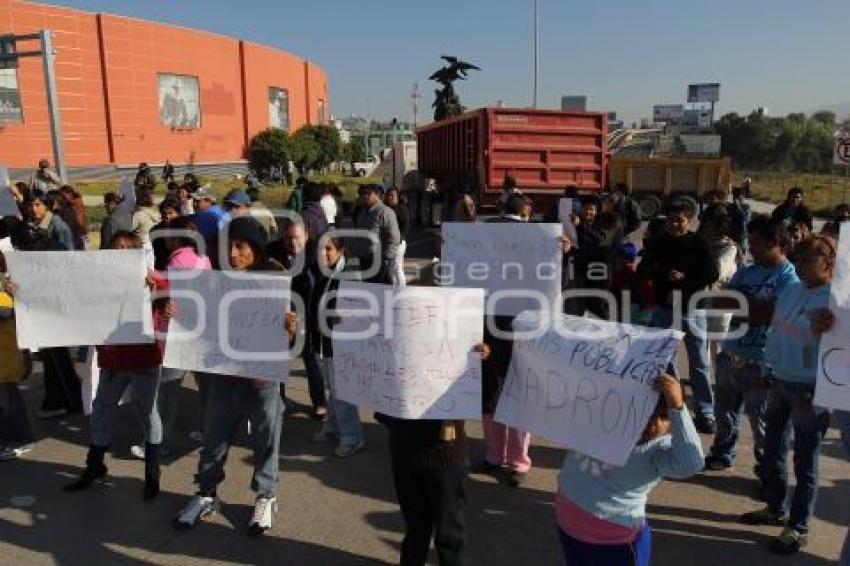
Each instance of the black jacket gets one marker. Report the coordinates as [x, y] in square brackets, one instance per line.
[791, 215]
[319, 307]
[690, 254]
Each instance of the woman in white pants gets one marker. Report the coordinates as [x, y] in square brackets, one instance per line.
[393, 201]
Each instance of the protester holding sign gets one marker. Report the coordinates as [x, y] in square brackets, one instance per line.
[123, 366]
[601, 509]
[800, 317]
[429, 471]
[232, 399]
[506, 448]
[62, 394]
[343, 418]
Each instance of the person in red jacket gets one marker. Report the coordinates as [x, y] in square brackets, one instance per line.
[123, 366]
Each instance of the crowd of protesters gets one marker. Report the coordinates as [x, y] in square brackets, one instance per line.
[768, 374]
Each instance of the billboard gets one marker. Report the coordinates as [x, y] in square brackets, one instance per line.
[706, 92]
[179, 101]
[670, 113]
[700, 144]
[697, 118]
[278, 108]
[574, 103]
[10, 97]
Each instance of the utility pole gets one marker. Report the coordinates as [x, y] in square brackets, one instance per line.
[536, 51]
[415, 96]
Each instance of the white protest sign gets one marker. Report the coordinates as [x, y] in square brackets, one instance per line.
[8, 204]
[411, 355]
[833, 384]
[585, 384]
[565, 212]
[517, 260]
[230, 324]
[77, 298]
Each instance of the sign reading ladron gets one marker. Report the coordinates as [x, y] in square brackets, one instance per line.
[585, 384]
[231, 325]
[521, 258]
[81, 298]
[409, 353]
[833, 385]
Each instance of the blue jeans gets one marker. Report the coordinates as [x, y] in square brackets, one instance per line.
[343, 417]
[315, 380]
[636, 553]
[230, 400]
[168, 398]
[793, 401]
[699, 361]
[739, 387]
[14, 421]
[110, 389]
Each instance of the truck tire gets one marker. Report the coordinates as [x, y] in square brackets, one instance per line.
[360, 173]
[649, 206]
[690, 204]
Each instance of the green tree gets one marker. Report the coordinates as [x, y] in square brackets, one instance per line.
[306, 151]
[329, 143]
[270, 148]
[354, 151]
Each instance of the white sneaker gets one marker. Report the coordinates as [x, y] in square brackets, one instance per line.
[265, 510]
[346, 450]
[138, 451]
[199, 508]
[8, 453]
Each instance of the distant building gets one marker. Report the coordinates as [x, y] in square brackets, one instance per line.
[377, 137]
[131, 90]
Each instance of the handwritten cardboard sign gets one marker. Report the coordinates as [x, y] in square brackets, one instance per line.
[517, 257]
[585, 384]
[77, 298]
[230, 325]
[411, 354]
[833, 384]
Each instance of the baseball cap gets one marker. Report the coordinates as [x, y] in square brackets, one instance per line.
[204, 192]
[237, 197]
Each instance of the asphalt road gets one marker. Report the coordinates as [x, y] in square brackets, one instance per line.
[343, 512]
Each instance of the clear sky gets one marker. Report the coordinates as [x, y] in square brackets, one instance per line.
[626, 55]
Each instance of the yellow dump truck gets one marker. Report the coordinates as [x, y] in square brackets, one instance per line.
[655, 181]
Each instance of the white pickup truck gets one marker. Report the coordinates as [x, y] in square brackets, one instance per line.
[365, 168]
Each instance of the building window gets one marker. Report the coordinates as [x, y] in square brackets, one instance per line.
[279, 108]
[320, 113]
[179, 101]
[10, 97]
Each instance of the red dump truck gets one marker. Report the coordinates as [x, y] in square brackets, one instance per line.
[544, 150]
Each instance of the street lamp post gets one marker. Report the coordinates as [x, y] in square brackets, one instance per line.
[536, 51]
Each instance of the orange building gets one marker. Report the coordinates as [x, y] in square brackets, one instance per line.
[132, 90]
